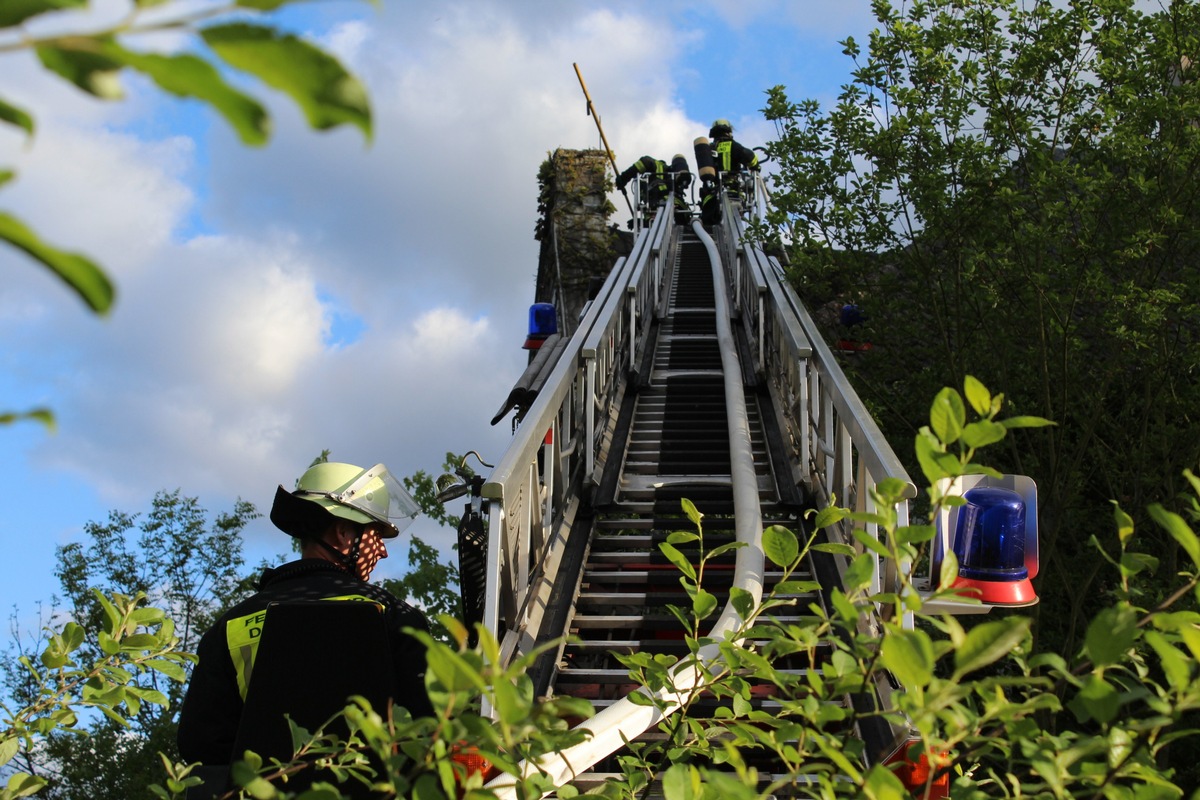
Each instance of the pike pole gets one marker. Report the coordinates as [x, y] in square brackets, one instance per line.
[591, 110]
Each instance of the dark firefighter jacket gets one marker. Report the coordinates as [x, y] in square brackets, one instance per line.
[212, 708]
[729, 156]
[663, 176]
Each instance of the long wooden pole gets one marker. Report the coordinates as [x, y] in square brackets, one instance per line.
[591, 110]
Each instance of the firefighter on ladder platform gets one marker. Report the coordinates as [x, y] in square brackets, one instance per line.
[720, 158]
[663, 179]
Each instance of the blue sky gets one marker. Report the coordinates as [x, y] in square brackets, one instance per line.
[319, 293]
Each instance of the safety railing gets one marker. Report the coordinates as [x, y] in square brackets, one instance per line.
[553, 456]
[835, 449]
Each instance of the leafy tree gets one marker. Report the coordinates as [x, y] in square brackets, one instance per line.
[64, 679]
[181, 563]
[1009, 189]
[975, 698]
[221, 39]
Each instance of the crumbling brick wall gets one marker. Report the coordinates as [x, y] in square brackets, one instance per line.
[578, 245]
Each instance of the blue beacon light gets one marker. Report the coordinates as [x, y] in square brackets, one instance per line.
[990, 544]
[543, 322]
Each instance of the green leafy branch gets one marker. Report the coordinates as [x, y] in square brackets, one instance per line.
[132, 639]
[94, 62]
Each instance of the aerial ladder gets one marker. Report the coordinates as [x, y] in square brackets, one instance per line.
[694, 373]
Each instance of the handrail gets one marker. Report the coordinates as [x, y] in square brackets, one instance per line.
[553, 452]
[838, 449]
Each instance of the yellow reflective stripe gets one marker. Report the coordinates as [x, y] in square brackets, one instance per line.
[242, 635]
[724, 153]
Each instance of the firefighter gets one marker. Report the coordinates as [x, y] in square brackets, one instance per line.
[341, 514]
[729, 157]
[720, 158]
[664, 178]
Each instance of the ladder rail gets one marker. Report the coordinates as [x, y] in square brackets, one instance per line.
[554, 452]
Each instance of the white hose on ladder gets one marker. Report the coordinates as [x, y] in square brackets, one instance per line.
[625, 720]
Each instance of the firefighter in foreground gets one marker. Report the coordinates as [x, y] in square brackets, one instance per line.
[664, 178]
[341, 514]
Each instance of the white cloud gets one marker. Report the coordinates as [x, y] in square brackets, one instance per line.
[217, 373]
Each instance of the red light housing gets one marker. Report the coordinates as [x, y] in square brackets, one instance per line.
[913, 769]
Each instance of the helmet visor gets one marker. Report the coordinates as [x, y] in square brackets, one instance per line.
[377, 495]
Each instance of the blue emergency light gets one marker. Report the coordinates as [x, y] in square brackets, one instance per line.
[543, 322]
[995, 543]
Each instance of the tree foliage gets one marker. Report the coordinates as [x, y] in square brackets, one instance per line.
[183, 565]
[1009, 189]
[115, 668]
[975, 699]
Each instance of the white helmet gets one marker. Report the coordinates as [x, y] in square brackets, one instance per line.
[346, 491]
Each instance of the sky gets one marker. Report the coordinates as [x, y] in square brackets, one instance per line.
[323, 293]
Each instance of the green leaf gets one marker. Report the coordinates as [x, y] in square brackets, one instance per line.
[703, 604]
[23, 785]
[1174, 524]
[512, 704]
[13, 12]
[828, 516]
[988, 643]
[682, 537]
[743, 601]
[915, 534]
[948, 573]
[245, 777]
[1124, 523]
[681, 562]
[1175, 665]
[1026, 422]
[79, 273]
[882, 784]
[780, 545]
[189, 76]
[935, 462]
[81, 61]
[982, 433]
[680, 782]
[149, 695]
[326, 93]
[1096, 700]
[455, 674]
[1111, 633]
[139, 641]
[947, 416]
[15, 116]
[859, 573]
[977, 395]
[107, 643]
[908, 654]
[835, 548]
[8, 749]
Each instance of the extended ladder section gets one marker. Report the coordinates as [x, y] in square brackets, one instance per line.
[696, 374]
